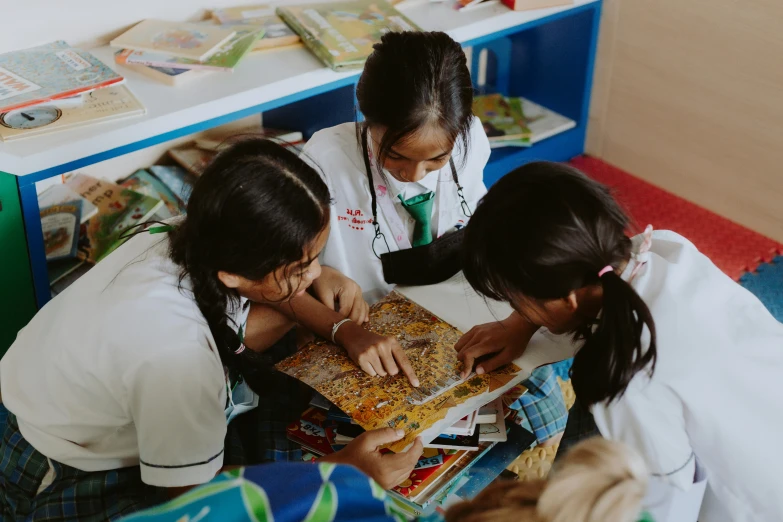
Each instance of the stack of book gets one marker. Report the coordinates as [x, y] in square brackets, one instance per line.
[55, 87]
[517, 122]
[444, 465]
[83, 219]
[175, 53]
[342, 34]
[460, 419]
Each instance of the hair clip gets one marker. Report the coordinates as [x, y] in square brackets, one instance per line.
[605, 270]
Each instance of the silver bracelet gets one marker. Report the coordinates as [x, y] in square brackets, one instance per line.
[336, 327]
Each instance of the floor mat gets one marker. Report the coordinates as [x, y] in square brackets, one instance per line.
[732, 247]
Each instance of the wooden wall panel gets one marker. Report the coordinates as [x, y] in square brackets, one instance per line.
[691, 99]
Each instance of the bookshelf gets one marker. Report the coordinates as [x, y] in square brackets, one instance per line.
[546, 55]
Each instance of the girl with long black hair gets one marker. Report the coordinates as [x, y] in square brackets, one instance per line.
[674, 358]
[120, 388]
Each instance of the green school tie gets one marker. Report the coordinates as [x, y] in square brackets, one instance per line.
[420, 209]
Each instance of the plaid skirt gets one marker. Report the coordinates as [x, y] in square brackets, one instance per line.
[72, 494]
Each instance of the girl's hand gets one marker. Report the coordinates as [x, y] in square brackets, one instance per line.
[375, 354]
[341, 294]
[507, 339]
[388, 470]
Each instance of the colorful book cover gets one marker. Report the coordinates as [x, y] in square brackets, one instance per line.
[276, 32]
[193, 159]
[449, 480]
[119, 208]
[224, 59]
[503, 118]
[145, 183]
[433, 461]
[177, 180]
[314, 432]
[62, 193]
[49, 72]
[342, 34]
[391, 401]
[102, 105]
[185, 40]
[61, 224]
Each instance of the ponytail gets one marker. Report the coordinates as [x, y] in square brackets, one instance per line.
[613, 352]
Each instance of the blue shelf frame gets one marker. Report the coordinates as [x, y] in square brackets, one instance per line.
[551, 62]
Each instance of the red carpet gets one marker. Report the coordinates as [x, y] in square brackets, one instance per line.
[732, 247]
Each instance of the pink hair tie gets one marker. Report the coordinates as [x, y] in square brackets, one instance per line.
[240, 349]
[605, 270]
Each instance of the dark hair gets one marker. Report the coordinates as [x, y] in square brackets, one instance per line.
[413, 79]
[256, 208]
[545, 230]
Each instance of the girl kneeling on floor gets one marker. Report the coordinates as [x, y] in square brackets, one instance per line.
[676, 359]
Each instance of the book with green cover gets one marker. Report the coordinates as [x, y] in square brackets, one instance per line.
[226, 58]
[119, 209]
[342, 34]
[503, 119]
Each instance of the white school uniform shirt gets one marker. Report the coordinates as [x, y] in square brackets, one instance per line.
[337, 154]
[712, 395]
[121, 370]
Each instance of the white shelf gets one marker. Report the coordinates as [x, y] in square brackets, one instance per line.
[259, 79]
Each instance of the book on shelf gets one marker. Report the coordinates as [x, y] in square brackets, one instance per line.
[119, 208]
[217, 142]
[442, 397]
[342, 34]
[177, 179]
[62, 193]
[184, 40]
[192, 158]
[168, 75]
[61, 224]
[525, 5]
[516, 121]
[277, 34]
[225, 59]
[148, 184]
[98, 106]
[50, 72]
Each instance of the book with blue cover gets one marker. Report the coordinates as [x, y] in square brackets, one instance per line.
[50, 72]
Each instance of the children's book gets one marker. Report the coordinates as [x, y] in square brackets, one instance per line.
[445, 482]
[314, 432]
[216, 142]
[148, 184]
[119, 208]
[457, 442]
[168, 75]
[193, 159]
[225, 58]
[342, 34]
[391, 401]
[503, 118]
[103, 105]
[62, 193]
[177, 179]
[465, 426]
[490, 413]
[493, 432]
[61, 224]
[184, 40]
[433, 463]
[50, 72]
[276, 32]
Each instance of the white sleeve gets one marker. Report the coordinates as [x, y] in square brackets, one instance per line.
[474, 186]
[178, 407]
[649, 418]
